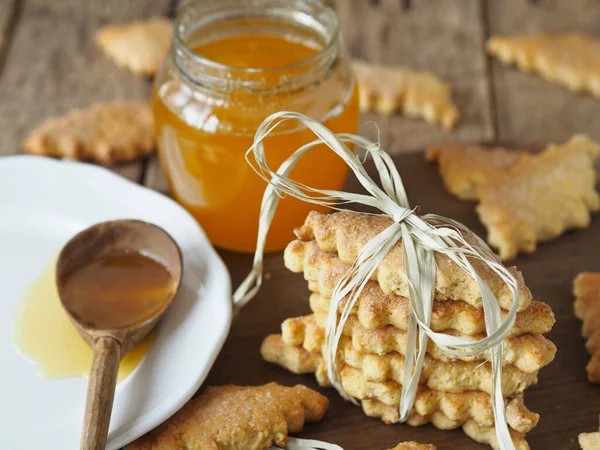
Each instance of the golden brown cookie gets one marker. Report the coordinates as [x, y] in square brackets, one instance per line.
[389, 414]
[487, 435]
[412, 445]
[567, 59]
[445, 376]
[452, 392]
[236, 418]
[294, 358]
[541, 197]
[589, 441]
[516, 411]
[139, 46]
[463, 167]
[586, 288]
[455, 376]
[419, 95]
[375, 309]
[527, 352]
[448, 315]
[456, 408]
[106, 133]
[347, 232]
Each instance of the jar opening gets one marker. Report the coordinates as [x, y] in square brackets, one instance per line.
[308, 22]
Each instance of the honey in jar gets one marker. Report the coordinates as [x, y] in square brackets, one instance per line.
[233, 64]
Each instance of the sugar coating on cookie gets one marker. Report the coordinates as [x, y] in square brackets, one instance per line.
[376, 309]
[372, 345]
[524, 198]
[105, 133]
[541, 197]
[380, 399]
[528, 352]
[438, 374]
[237, 417]
[346, 233]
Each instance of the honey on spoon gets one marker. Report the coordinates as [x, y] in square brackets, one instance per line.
[45, 335]
[115, 280]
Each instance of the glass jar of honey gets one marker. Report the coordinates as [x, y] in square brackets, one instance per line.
[232, 64]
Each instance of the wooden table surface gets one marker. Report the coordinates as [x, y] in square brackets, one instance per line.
[49, 64]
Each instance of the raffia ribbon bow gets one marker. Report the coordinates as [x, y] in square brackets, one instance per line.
[421, 238]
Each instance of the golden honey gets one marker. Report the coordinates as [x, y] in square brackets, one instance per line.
[209, 102]
[117, 290]
[44, 334]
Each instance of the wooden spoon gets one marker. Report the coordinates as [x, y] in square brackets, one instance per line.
[134, 242]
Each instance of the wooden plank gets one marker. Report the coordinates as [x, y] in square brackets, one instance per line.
[53, 65]
[7, 13]
[110, 11]
[531, 111]
[445, 38]
[568, 404]
[155, 177]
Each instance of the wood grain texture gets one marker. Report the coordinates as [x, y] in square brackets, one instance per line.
[100, 393]
[7, 10]
[154, 177]
[568, 404]
[445, 38]
[53, 65]
[531, 111]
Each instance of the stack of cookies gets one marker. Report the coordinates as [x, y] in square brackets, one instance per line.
[454, 391]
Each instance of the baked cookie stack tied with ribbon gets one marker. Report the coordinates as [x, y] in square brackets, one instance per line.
[454, 390]
[413, 317]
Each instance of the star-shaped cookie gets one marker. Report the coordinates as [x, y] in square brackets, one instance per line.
[463, 167]
[541, 197]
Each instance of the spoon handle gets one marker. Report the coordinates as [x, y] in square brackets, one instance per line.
[100, 393]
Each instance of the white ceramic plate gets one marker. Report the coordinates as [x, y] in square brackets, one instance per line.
[43, 203]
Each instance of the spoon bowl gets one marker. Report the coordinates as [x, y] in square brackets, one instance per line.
[143, 246]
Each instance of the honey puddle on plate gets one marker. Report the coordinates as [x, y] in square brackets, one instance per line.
[46, 336]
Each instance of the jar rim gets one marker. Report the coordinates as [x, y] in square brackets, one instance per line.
[331, 43]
